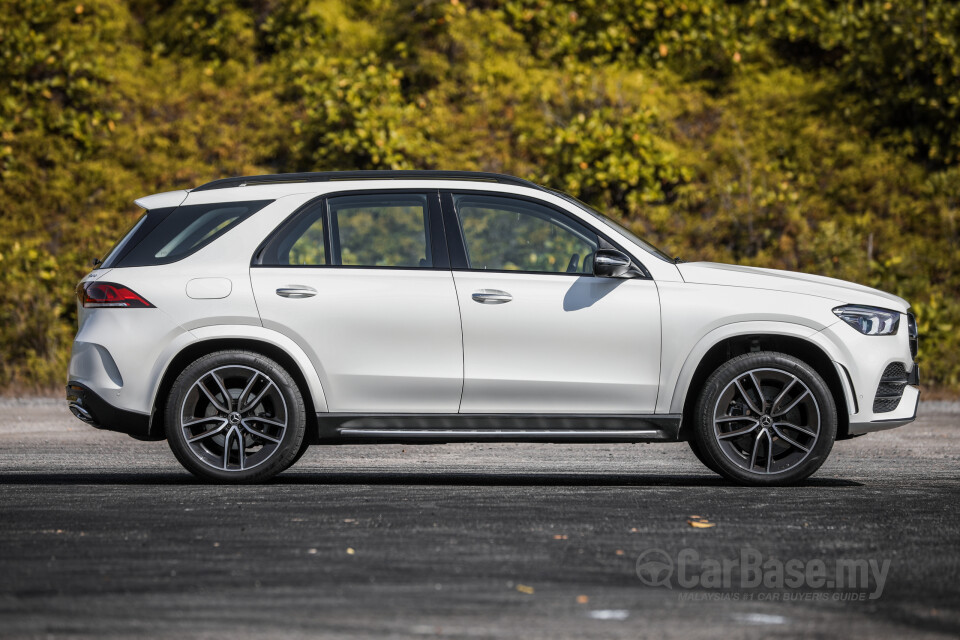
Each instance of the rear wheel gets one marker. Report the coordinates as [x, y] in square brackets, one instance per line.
[765, 418]
[235, 417]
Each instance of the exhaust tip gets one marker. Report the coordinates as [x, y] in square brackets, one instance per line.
[80, 412]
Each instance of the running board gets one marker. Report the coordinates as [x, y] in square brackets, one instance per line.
[506, 435]
[436, 428]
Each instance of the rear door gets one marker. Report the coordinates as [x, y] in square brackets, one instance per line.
[541, 333]
[361, 281]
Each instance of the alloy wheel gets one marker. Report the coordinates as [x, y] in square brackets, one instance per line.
[233, 418]
[766, 421]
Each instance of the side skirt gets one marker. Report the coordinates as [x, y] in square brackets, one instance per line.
[346, 428]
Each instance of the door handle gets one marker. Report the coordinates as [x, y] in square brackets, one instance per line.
[491, 296]
[296, 291]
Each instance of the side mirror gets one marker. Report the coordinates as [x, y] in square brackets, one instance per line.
[610, 263]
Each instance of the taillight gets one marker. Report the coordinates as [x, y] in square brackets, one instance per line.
[94, 295]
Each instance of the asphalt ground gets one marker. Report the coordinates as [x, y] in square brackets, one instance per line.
[103, 536]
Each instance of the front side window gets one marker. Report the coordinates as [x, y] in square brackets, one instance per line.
[509, 234]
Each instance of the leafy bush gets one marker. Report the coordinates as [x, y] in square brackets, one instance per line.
[810, 135]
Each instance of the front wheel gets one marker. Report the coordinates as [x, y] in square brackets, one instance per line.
[235, 417]
[765, 418]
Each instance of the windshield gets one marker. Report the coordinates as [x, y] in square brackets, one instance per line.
[615, 225]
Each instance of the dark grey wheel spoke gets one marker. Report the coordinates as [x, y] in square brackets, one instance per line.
[259, 434]
[206, 434]
[760, 442]
[789, 439]
[233, 435]
[223, 390]
[739, 432]
[245, 429]
[804, 430]
[193, 423]
[275, 423]
[253, 403]
[792, 404]
[746, 398]
[779, 398]
[246, 390]
[759, 389]
[769, 449]
[213, 400]
[756, 448]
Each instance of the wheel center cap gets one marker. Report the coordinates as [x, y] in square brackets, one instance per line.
[766, 421]
[234, 418]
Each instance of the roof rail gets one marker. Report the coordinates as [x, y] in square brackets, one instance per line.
[332, 176]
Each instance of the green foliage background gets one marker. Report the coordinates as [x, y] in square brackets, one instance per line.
[814, 135]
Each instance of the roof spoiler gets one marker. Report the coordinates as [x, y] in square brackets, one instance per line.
[161, 200]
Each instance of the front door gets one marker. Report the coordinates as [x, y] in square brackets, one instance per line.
[541, 333]
[362, 284]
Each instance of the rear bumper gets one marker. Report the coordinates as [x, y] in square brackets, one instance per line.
[90, 408]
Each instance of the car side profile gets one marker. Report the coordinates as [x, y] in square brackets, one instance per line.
[251, 317]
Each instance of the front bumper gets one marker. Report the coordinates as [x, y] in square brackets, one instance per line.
[905, 413]
[90, 408]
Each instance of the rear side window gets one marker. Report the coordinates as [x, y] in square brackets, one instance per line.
[302, 244]
[382, 230]
[379, 231]
[167, 235]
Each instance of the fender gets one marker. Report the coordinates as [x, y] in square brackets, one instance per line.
[681, 383]
[247, 332]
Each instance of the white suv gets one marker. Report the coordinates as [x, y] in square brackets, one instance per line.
[250, 317]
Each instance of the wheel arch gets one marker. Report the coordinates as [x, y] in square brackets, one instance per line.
[307, 380]
[731, 346]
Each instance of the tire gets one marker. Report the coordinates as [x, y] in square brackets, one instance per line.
[235, 417]
[704, 460]
[764, 419]
[300, 453]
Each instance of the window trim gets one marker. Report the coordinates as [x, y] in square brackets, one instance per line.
[456, 243]
[434, 229]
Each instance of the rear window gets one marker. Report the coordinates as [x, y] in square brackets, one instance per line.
[163, 236]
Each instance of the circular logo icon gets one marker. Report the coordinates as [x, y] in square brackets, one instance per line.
[766, 421]
[655, 568]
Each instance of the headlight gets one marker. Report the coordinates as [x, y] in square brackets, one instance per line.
[870, 321]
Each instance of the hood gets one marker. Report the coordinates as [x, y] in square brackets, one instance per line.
[756, 278]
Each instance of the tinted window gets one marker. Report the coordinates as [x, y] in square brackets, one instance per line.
[183, 230]
[124, 243]
[302, 243]
[507, 234]
[387, 230]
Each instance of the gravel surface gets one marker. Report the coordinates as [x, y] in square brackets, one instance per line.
[104, 536]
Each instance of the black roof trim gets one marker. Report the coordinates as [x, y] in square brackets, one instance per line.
[335, 176]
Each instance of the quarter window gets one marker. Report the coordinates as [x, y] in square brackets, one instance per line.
[509, 234]
[168, 235]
